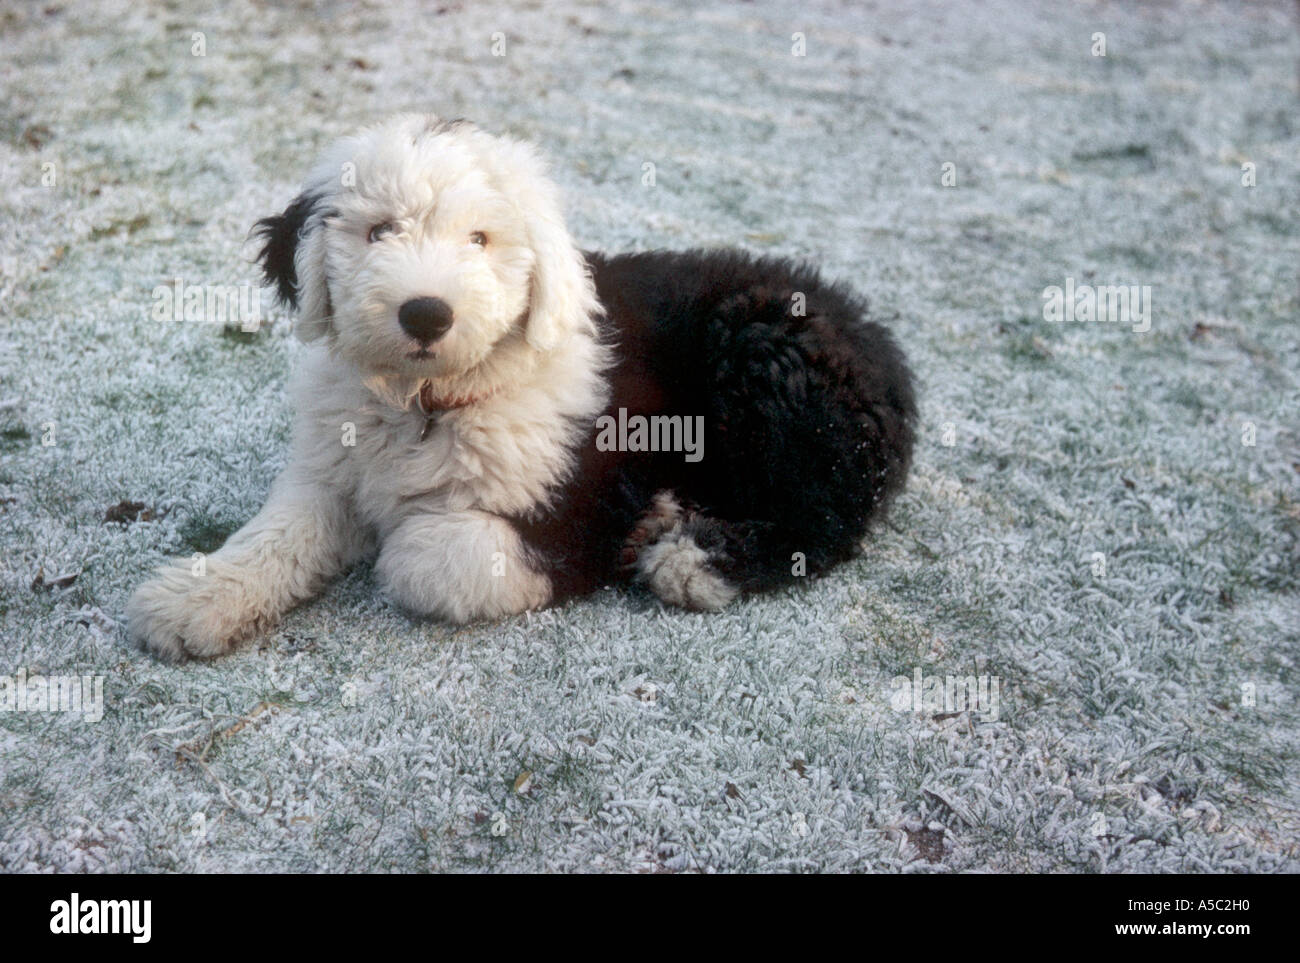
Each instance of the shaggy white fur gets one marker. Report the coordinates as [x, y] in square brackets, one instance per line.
[471, 219]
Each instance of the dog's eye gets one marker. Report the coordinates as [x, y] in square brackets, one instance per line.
[379, 230]
[479, 238]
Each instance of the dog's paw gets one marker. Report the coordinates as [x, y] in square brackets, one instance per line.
[664, 515]
[678, 571]
[180, 615]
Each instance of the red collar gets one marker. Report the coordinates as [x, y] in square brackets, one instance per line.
[431, 405]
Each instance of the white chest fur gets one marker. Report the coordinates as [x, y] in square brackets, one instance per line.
[503, 455]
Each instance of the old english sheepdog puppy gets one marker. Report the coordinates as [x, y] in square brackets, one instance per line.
[502, 422]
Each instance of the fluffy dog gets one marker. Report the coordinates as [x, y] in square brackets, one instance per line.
[502, 422]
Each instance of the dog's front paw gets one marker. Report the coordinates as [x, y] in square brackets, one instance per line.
[180, 615]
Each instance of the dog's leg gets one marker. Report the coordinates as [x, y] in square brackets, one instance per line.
[301, 537]
[667, 554]
[460, 566]
[697, 561]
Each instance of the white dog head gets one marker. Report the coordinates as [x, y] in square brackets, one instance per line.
[421, 248]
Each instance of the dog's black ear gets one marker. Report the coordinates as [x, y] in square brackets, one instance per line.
[280, 234]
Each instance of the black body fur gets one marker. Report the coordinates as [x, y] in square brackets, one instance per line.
[808, 421]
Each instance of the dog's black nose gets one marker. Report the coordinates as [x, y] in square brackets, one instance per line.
[425, 319]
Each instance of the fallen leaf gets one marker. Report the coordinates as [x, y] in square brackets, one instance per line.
[125, 512]
[928, 843]
[58, 581]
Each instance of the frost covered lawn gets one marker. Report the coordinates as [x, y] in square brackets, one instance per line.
[1088, 526]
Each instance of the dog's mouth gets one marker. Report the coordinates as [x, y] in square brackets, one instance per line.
[422, 354]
